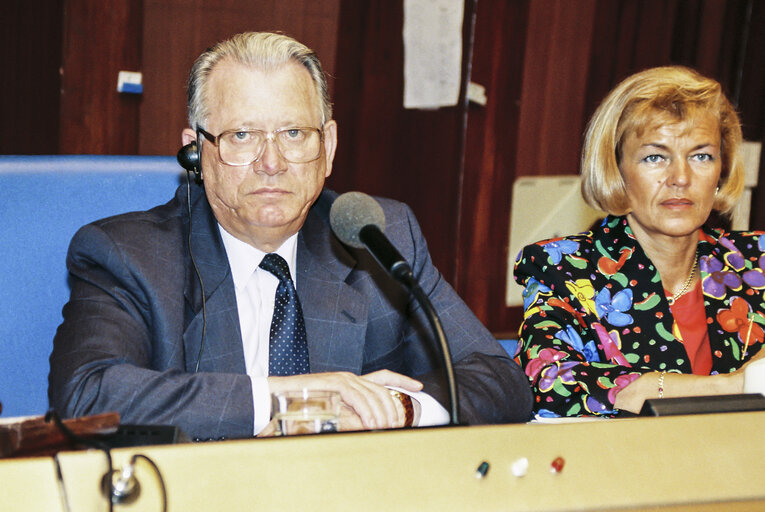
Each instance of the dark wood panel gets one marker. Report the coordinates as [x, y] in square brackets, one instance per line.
[630, 36]
[410, 155]
[752, 99]
[30, 35]
[554, 86]
[99, 40]
[751, 79]
[711, 58]
[538, 55]
[176, 32]
[490, 155]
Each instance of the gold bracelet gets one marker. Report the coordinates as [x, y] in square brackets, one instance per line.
[406, 402]
[661, 384]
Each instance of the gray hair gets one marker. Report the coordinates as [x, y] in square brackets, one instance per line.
[264, 50]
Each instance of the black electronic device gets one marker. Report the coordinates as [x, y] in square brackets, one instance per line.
[144, 435]
[188, 157]
[712, 404]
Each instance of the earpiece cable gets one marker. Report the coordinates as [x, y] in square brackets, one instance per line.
[199, 277]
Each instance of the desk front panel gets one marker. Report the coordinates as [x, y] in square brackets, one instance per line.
[712, 462]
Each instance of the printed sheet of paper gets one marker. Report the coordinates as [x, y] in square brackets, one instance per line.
[432, 52]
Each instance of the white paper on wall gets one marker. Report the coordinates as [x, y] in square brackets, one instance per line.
[432, 53]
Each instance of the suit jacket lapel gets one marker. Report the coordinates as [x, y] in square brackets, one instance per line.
[222, 351]
[335, 313]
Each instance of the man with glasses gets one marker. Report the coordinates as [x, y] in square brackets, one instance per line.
[187, 314]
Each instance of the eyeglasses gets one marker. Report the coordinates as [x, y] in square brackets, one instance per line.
[298, 145]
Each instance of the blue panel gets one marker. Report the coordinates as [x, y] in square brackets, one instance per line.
[509, 345]
[45, 199]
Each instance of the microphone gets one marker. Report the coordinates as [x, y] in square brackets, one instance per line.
[359, 221]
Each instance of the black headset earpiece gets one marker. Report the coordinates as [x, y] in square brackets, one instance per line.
[188, 157]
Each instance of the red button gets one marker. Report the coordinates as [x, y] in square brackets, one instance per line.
[557, 465]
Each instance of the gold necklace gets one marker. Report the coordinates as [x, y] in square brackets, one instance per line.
[686, 286]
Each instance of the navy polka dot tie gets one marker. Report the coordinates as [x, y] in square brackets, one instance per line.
[288, 348]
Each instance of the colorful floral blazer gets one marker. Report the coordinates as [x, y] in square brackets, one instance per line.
[596, 317]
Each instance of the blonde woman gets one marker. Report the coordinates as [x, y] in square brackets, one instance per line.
[651, 303]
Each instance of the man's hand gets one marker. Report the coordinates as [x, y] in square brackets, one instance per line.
[367, 403]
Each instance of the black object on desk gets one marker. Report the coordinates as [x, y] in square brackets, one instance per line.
[703, 404]
[144, 435]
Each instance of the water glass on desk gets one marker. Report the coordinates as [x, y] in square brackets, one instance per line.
[305, 412]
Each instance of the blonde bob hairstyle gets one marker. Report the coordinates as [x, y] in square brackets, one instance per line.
[642, 101]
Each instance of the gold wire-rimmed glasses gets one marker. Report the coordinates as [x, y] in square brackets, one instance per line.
[297, 145]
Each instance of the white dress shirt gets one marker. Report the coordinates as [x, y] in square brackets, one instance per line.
[255, 292]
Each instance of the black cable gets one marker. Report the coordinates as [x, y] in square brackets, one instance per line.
[159, 476]
[75, 440]
[61, 486]
[107, 477]
[438, 331]
[741, 56]
[199, 276]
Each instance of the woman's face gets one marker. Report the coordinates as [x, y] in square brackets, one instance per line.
[671, 171]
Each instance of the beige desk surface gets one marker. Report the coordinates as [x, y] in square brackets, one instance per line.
[707, 462]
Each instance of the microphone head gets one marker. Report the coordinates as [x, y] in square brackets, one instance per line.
[352, 211]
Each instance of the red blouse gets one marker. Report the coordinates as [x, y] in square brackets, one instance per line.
[691, 319]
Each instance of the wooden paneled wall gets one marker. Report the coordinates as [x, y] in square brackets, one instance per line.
[161, 39]
[411, 155]
[30, 36]
[98, 41]
[545, 65]
[492, 137]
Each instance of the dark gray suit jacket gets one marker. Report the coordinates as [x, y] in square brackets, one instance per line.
[133, 328]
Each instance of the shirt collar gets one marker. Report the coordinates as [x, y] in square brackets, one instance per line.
[244, 258]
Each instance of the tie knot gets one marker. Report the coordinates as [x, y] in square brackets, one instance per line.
[276, 265]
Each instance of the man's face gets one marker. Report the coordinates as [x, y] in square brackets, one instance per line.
[267, 201]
